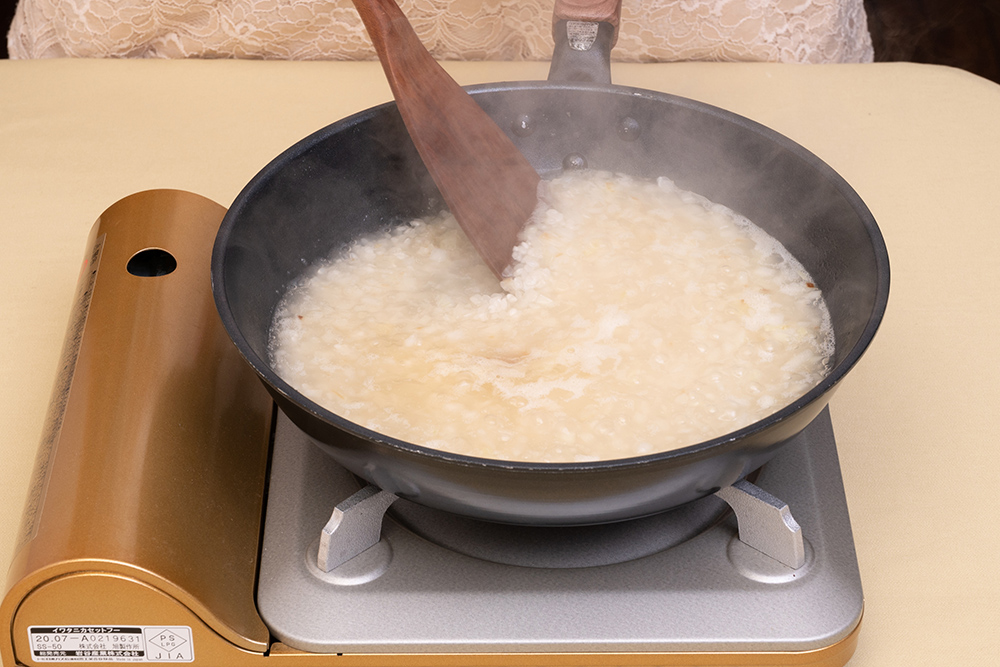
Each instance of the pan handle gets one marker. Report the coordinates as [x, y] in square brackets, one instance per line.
[585, 31]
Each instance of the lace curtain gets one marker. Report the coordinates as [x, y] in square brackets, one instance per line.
[801, 31]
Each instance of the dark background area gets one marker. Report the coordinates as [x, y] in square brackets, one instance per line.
[6, 15]
[960, 33]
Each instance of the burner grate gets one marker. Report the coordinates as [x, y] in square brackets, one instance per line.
[419, 591]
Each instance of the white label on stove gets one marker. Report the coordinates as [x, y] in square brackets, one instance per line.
[111, 643]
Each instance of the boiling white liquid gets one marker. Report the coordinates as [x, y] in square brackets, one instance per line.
[637, 318]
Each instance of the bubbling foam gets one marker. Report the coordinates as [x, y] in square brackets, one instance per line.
[636, 318]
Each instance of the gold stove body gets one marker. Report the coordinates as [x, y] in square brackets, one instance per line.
[146, 506]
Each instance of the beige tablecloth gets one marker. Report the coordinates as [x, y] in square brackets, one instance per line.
[916, 422]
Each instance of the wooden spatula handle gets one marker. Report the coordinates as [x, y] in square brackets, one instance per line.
[386, 22]
[486, 182]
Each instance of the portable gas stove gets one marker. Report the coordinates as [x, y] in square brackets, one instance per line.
[173, 517]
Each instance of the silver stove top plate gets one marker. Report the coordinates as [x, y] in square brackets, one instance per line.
[410, 595]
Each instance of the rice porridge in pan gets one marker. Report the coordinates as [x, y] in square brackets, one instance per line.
[636, 318]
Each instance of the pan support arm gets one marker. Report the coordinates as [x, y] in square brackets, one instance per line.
[765, 523]
[354, 527]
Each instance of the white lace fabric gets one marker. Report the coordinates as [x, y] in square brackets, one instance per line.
[799, 31]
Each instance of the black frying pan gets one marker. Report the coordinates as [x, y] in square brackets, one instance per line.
[362, 175]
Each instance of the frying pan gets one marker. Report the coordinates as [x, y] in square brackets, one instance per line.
[361, 175]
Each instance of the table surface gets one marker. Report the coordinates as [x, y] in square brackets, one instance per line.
[915, 421]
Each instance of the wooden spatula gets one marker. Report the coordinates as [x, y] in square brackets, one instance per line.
[486, 182]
